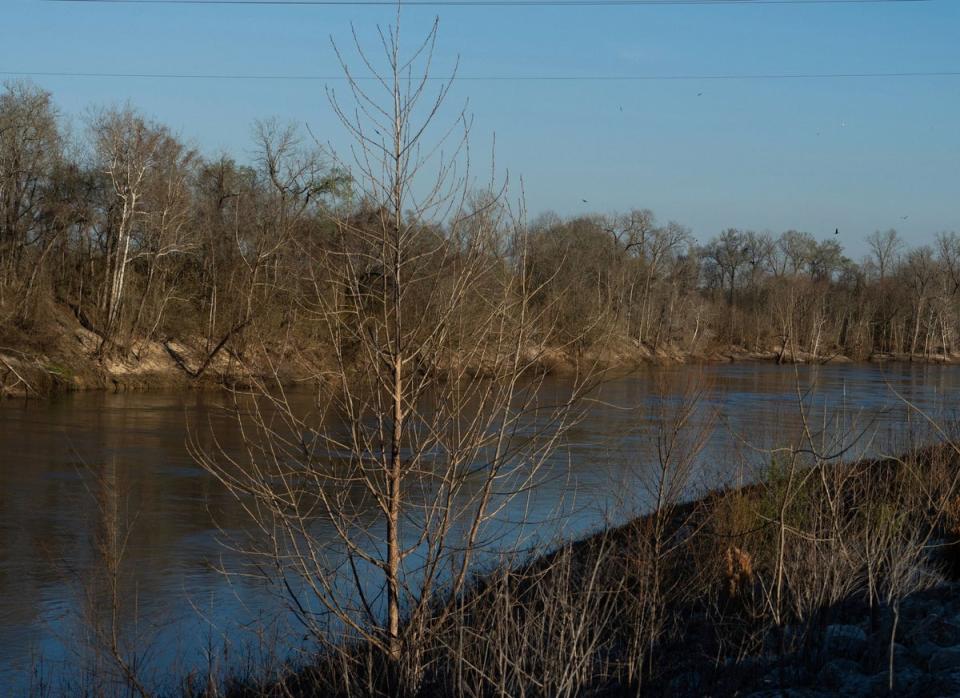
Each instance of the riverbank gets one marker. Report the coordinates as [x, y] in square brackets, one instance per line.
[69, 357]
[842, 580]
[836, 579]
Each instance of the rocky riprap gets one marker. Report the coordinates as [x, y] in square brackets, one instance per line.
[851, 657]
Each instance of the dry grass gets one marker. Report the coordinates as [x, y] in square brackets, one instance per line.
[610, 616]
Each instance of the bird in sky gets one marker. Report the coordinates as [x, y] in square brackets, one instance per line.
[837, 231]
[903, 218]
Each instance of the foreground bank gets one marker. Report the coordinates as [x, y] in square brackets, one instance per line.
[821, 579]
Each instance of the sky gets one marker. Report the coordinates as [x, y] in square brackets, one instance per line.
[818, 154]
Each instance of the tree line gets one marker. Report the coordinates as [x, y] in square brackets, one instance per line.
[141, 237]
[632, 277]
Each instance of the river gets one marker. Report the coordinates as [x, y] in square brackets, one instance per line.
[189, 614]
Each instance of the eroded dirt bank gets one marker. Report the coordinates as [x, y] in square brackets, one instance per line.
[71, 357]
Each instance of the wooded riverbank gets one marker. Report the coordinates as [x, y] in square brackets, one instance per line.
[122, 241]
[72, 358]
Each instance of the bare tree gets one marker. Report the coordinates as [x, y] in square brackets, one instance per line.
[30, 149]
[165, 230]
[886, 247]
[796, 251]
[430, 425]
[920, 271]
[125, 146]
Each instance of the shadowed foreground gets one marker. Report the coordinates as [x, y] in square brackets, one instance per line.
[818, 580]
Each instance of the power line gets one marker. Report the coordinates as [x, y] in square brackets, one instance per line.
[481, 3]
[494, 78]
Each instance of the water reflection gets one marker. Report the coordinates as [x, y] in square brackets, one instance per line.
[52, 455]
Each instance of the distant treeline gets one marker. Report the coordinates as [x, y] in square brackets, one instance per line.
[140, 236]
[790, 293]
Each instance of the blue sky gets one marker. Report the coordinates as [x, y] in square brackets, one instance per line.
[812, 154]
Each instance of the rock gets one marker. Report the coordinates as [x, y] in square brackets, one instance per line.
[877, 658]
[915, 610]
[902, 680]
[945, 659]
[844, 641]
[686, 684]
[786, 676]
[880, 682]
[942, 684]
[836, 672]
[943, 632]
[901, 656]
[856, 685]
[922, 651]
[790, 693]
[845, 677]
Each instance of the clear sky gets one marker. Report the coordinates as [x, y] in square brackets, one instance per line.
[856, 154]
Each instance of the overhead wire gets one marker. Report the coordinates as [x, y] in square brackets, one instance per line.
[494, 3]
[493, 78]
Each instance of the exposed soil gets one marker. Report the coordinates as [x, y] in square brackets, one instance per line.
[70, 357]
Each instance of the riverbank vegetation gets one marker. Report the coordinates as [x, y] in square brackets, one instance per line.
[814, 580]
[127, 254]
